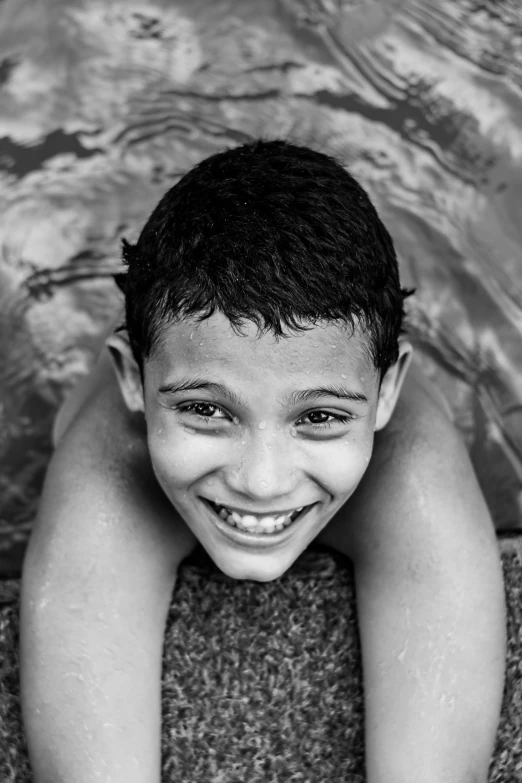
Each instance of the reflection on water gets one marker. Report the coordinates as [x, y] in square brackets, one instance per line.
[103, 106]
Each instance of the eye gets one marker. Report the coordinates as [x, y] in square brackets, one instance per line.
[319, 419]
[203, 410]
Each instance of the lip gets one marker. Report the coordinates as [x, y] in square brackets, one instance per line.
[253, 540]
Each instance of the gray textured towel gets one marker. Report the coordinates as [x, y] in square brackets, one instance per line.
[262, 681]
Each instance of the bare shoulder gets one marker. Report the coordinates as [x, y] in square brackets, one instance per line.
[430, 462]
[102, 509]
[100, 376]
[422, 398]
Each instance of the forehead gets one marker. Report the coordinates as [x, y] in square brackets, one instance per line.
[327, 348]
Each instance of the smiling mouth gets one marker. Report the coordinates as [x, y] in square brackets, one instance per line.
[258, 525]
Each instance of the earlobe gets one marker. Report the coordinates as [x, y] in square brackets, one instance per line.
[392, 384]
[127, 371]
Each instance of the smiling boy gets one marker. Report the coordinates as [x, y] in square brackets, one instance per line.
[264, 400]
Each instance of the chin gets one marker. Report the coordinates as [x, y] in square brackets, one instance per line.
[266, 569]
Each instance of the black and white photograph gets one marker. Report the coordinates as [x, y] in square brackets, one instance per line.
[261, 391]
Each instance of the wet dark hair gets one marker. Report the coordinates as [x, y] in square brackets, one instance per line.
[269, 232]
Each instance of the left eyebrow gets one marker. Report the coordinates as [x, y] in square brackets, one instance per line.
[295, 398]
[308, 395]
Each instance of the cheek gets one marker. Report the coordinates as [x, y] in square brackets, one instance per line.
[341, 468]
[179, 458]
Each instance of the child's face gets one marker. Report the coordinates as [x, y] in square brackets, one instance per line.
[256, 431]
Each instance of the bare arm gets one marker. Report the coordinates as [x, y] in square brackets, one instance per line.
[430, 599]
[96, 586]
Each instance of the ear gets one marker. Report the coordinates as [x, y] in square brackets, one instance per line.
[127, 371]
[391, 385]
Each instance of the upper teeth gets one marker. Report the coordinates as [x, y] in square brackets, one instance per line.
[249, 521]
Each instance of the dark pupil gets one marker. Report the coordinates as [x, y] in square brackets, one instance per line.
[318, 413]
[206, 408]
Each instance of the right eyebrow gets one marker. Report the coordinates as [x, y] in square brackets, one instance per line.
[200, 383]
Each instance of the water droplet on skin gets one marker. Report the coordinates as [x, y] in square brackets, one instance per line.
[293, 432]
[333, 346]
[160, 431]
[235, 420]
[402, 653]
[201, 343]
[263, 483]
[262, 425]
[343, 375]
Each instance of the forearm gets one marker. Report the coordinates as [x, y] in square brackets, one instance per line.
[91, 689]
[96, 588]
[433, 663]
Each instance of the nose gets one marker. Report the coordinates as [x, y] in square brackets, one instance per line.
[265, 469]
